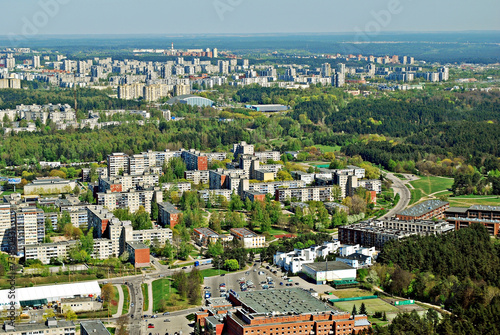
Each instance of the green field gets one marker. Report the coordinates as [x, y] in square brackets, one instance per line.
[126, 299]
[162, 290]
[328, 148]
[351, 293]
[212, 272]
[425, 186]
[372, 306]
[469, 200]
[145, 303]
[113, 307]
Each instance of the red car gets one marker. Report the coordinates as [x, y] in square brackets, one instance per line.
[151, 325]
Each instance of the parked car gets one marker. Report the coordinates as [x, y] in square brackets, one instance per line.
[166, 313]
[151, 325]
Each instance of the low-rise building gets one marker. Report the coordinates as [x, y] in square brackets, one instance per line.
[80, 304]
[323, 272]
[292, 261]
[355, 260]
[205, 236]
[52, 326]
[248, 238]
[49, 186]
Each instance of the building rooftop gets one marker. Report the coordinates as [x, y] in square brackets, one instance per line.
[457, 210]
[485, 208]
[243, 232]
[137, 245]
[289, 300]
[94, 327]
[207, 232]
[33, 327]
[328, 266]
[423, 208]
[167, 206]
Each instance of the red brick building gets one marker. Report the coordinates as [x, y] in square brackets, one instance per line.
[290, 311]
[168, 214]
[489, 216]
[426, 210]
[139, 254]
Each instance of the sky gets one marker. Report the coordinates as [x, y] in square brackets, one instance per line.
[31, 17]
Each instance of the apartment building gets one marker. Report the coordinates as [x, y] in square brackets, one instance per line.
[139, 254]
[180, 187]
[292, 261]
[271, 187]
[133, 199]
[242, 148]
[29, 228]
[5, 227]
[127, 182]
[377, 233]
[117, 164]
[197, 176]
[195, 160]
[304, 194]
[78, 215]
[425, 211]
[44, 252]
[248, 238]
[488, 216]
[168, 214]
[265, 156]
[212, 195]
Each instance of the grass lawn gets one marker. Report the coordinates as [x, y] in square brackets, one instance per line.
[428, 185]
[372, 306]
[376, 321]
[212, 272]
[275, 231]
[145, 303]
[161, 290]
[328, 148]
[113, 307]
[468, 200]
[126, 299]
[351, 293]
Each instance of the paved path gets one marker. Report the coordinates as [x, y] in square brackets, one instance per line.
[120, 301]
[150, 299]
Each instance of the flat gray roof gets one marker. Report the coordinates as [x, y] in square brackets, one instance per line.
[423, 208]
[328, 266]
[94, 327]
[283, 300]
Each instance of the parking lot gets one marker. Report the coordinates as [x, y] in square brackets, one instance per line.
[176, 324]
[232, 280]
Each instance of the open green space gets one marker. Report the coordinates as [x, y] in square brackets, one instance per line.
[351, 293]
[126, 299]
[469, 200]
[328, 148]
[372, 306]
[162, 289]
[113, 306]
[145, 304]
[425, 186]
[212, 272]
[166, 297]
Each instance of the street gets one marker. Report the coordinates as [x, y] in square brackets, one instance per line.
[400, 188]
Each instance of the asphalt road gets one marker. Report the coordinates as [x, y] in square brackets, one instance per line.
[400, 188]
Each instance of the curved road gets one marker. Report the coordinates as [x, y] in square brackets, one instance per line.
[400, 188]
